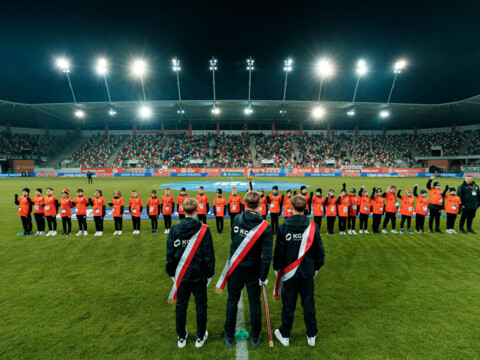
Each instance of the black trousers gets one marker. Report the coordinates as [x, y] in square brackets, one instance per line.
[264, 217]
[52, 223]
[377, 219]
[351, 222]
[274, 220]
[318, 220]
[236, 281]
[434, 215]
[98, 223]
[342, 223]
[451, 220]
[219, 222]
[291, 289]
[136, 222]
[330, 224]
[27, 224]
[202, 218]
[363, 221]
[82, 222]
[118, 223]
[167, 220]
[67, 224]
[305, 212]
[40, 220]
[232, 217]
[467, 215]
[390, 216]
[419, 222]
[90, 180]
[154, 221]
[406, 218]
[199, 291]
[181, 216]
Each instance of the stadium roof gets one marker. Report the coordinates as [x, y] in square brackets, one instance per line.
[199, 114]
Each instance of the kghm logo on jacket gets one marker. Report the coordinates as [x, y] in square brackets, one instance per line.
[179, 242]
[295, 237]
[243, 232]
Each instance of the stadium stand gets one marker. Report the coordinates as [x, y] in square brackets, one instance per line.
[101, 152]
[474, 148]
[276, 147]
[396, 143]
[183, 149]
[85, 147]
[143, 150]
[41, 145]
[450, 143]
[231, 151]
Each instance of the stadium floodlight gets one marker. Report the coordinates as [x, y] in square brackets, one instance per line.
[361, 70]
[213, 68]
[324, 69]
[145, 112]
[287, 68]
[397, 69]
[215, 111]
[79, 114]
[112, 112]
[180, 112]
[351, 113]
[64, 65]
[318, 112]
[177, 68]
[248, 111]
[102, 69]
[384, 114]
[139, 68]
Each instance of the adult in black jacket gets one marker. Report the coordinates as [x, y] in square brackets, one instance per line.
[198, 275]
[252, 270]
[470, 197]
[287, 247]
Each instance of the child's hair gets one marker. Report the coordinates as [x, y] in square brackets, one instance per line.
[134, 190]
[330, 190]
[201, 187]
[79, 190]
[299, 203]
[154, 191]
[167, 188]
[49, 188]
[119, 192]
[190, 205]
[252, 199]
[100, 192]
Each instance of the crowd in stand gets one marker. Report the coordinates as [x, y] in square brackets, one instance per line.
[41, 145]
[101, 152]
[184, 148]
[474, 148]
[276, 147]
[450, 143]
[315, 149]
[231, 151]
[85, 147]
[145, 150]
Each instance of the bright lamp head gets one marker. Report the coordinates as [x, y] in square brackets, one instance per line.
[215, 111]
[145, 112]
[318, 112]
[102, 66]
[384, 114]
[399, 66]
[248, 111]
[361, 68]
[63, 64]
[139, 67]
[79, 114]
[325, 68]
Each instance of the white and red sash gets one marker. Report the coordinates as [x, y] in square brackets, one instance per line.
[186, 260]
[242, 250]
[290, 271]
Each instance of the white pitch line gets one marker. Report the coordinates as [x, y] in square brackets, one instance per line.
[241, 346]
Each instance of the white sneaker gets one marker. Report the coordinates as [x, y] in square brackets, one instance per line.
[453, 231]
[349, 232]
[181, 342]
[49, 233]
[385, 231]
[394, 231]
[199, 343]
[41, 233]
[85, 232]
[360, 231]
[365, 232]
[166, 231]
[311, 340]
[115, 233]
[138, 232]
[283, 341]
[100, 233]
[54, 233]
[79, 233]
[119, 232]
[354, 232]
[343, 233]
[96, 233]
[134, 232]
[37, 233]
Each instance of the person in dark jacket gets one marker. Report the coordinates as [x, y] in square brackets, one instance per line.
[287, 246]
[89, 177]
[470, 197]
[252, 271]
[198, 274]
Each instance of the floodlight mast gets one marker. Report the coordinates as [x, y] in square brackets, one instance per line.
[287, 68]
[139, 68]
[176, 68]
[102, 70]
[64, 65]
[399, 66]
[250, 68]
[213, 68]
[325, 69]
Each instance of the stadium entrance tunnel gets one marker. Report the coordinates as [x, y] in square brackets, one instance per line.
[241, 186]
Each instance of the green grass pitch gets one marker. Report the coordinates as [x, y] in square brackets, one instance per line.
[377, 297]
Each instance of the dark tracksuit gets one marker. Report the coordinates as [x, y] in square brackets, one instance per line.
[286, 252]
[435, 211]
[27, 220]
[470, 203]
[254, 267]
[194, 281]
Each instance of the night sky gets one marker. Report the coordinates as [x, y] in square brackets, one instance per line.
[440, 40]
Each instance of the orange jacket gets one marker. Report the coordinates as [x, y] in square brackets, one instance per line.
[234, 202]
[262, 210]
[287, 207]
[436, 197]
[422, 205]
[343, 205]
[202, 204]
[331, 206]
[50, 208]
[391, 202]
[135, 205]
[219, 204]
[152, 206]
[354, 204]
[180, 200]
[318, 204]
[38, 204]
[66, 207]
[452, 204]
[307, 198]
[365, 204]
[168, 203]
[378, 204]
[81, 204]
[117, 207]
[98, 204]
[408, 204]
[275, 203]
[24, 205]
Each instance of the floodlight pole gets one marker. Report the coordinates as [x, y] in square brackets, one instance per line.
[250, 67]
[320, 91]
[213, 80]
[143, 89]
[393, 85]
[70, 84]
[356, 87]
[108, 90]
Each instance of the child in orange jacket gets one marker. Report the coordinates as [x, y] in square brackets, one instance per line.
[452, 207]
